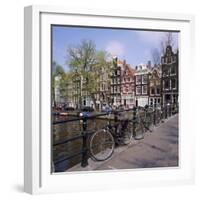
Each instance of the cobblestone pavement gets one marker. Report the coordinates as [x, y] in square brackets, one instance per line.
[158, 149]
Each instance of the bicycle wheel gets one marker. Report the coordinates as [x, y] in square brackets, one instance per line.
[139, 131]
[148, 121]
[101, 145]
[127, 132]
[158, 117]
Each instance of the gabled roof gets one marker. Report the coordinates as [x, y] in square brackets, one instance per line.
[120, 62]
[128, 68]
[156, 72]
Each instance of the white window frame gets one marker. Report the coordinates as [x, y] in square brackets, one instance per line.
[144, 93]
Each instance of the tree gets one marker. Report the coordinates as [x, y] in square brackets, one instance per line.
[157, 52]
[100, 68]
[82, 56]
[156, 55]
[85, 60]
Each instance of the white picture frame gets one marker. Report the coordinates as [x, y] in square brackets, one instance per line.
[37, 141]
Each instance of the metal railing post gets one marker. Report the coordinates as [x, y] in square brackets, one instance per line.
[154, 115]
[134, 121]
[115, 121]
[165, 108]
[84, 161]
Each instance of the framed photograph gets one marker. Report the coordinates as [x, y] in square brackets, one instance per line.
[107, 100]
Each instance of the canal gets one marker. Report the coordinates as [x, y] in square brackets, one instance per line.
[68, 130]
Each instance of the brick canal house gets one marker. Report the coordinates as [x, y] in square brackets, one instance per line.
[142, 85]
[115, 84]
[103, 91]
[128, 86]
[169, 79]
[77, 90]
[155, 86]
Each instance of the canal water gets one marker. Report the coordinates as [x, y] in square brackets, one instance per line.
[68, 130]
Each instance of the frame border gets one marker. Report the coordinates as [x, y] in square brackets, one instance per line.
[32, 77]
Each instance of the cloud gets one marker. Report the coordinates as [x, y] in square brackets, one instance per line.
[150, 37]
[155, 37]
[115, 48]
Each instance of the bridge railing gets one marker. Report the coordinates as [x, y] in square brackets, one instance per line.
[157, 115]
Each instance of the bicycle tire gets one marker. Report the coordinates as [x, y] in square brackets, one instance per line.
[148, 122]
[127, 134]
[101, 145]
[158, 117]
[140, 130]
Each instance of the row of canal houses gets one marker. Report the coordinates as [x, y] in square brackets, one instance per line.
[146, 84]
[141, 85]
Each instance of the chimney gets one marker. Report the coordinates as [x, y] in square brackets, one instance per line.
[124, 62]
[149, 64]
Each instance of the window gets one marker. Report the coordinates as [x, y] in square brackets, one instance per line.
[151, 102]
[165, 71]
[144, 89]
[138, 79]
[158, 91]
[174, 58]
[166, 84]
[173, 83]
[152, 91]
[158, 100]
[144, 78]
[174, 98]
[173, 70]
[138, 90]
[169, 59]
[115, 89]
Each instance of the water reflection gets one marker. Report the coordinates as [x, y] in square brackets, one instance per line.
[66, 131]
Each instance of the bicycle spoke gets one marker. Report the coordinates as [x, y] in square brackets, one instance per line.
[101, 145]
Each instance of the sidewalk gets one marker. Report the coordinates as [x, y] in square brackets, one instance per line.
[158, 149]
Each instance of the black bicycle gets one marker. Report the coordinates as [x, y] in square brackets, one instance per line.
[103, 141]
[143, 122]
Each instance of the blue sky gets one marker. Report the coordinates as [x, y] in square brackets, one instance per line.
[134, 46]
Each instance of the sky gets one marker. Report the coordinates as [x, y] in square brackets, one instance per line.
[135, 46]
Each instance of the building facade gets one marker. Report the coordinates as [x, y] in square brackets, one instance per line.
[142, 85]
[76, 90]
[103, 90]
[155, 86]
[169, 79]
[128, 86]
[115, 85]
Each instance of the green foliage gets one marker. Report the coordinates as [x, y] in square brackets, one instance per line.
[90, 64]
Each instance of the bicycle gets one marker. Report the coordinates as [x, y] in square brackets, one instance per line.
[103, 141]
[143, 122]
